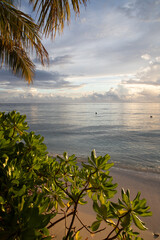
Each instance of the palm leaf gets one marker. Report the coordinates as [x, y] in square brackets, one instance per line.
[19, 33]
[53, 13]
[16, 58]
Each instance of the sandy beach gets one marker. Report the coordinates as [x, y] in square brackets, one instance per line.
[149, 186]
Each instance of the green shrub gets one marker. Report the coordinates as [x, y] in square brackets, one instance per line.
[34, 188]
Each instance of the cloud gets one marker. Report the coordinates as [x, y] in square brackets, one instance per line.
[109, 96]
[53, 80]
[105, 39]
[123, 94]
[146, 57]
[149, 75]
[144, 10]
[109, 38]
[43, 80]
[59, 60]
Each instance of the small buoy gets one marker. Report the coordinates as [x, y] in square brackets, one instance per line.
[151, 116]
[95, 112]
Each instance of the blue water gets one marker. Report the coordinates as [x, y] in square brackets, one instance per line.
[123, 130]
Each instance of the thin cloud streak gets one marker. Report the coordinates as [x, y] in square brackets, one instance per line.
[59, 60]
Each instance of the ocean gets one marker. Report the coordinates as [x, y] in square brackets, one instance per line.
[125, 131]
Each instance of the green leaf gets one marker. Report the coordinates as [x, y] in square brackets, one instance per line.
[95, 206]
[125, 197]
[21, 204]
[108, 166]
[101, 198]
[2, 200]
[82, 202]
[95, 225]
[137, 197]
[15, 182]
[126, 221]
[61, 203]
[65, 155]
[93, 155]
[94, 197]
[144, 214]
[138, 222]
[117, 206]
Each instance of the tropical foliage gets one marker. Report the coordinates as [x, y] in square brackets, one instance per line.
[52, 14]
[38, 191]
[20, 34]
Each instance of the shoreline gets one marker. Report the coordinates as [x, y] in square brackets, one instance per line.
[122, 166]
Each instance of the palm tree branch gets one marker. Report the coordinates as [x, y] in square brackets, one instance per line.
[16, 59]
[53, 13]
[19, 28]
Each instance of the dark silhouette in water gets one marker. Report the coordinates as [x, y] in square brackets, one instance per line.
[155, 235]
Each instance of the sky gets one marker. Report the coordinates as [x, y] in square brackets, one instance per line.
[110, 53]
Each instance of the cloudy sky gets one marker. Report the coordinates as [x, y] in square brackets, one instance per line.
[111, 53]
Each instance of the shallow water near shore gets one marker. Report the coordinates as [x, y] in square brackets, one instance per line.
[126, 131]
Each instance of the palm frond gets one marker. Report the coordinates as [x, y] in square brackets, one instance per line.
[14, 56]
[21, 34]
[53, 13]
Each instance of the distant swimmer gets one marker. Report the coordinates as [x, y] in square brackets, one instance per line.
[95, 112]
[151, 116]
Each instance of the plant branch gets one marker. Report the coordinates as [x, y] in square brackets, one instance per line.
[66, 192]
[86, 227]
[76, 204]
[54, 223]
[114, 237]
[72, 221]
[116, 226]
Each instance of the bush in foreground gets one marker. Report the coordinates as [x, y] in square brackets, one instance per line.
[36, 188]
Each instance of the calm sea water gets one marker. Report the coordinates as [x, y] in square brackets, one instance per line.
[123, 130]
